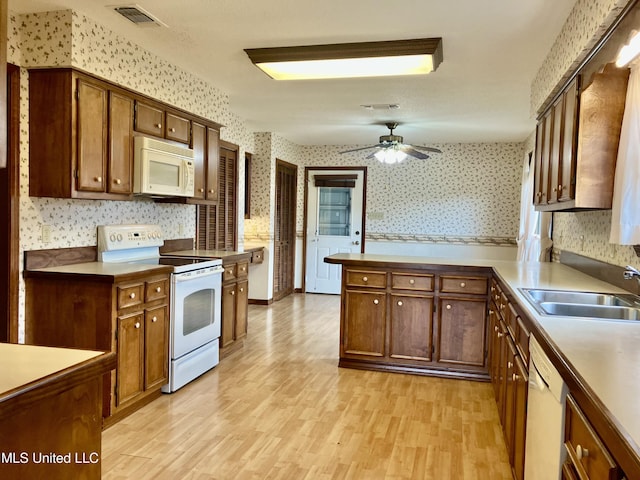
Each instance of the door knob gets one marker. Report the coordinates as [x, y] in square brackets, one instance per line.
[356, 242]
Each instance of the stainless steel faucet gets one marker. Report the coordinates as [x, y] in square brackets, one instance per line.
[631, 272]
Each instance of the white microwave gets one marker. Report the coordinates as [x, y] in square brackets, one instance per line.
[161, 168]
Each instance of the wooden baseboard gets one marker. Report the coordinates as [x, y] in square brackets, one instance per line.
[256, 301]
[606, 272]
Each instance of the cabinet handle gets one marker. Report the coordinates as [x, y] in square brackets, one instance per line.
[154, 319]
[132, 295]
[559, 188]
[158, 125]
[98, 179]
[365, 279]
[376, 301]
[448, 307]
[462, 284]
[233, 292]
[137, 325]
[509, 365]
[158, 289]
[211, 191]
[491, 312]
[581, 452]
[515, 377]
[172, 130]
[201, 190]
[500, 334]
[495, 328]
[412, 281]
[399, 303]
[117, 181]
[241, 289]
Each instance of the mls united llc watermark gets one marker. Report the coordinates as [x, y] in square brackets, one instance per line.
[50, 457]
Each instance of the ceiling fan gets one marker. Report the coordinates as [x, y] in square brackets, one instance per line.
[391, 148]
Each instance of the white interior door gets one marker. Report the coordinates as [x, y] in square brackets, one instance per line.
[334, 225]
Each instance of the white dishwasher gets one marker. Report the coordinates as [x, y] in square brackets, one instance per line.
[544, 451]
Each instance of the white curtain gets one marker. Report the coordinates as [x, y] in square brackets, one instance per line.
[625, 211]
[534, 235]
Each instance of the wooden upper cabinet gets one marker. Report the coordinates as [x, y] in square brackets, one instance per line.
[199, 145]
[149, 119]
[120, 174]
[178, 128]
[213, 163]
[155, 120]
[80, 137]
[577, 143]
[92, 136]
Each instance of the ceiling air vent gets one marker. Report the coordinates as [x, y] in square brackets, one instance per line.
[137, 15]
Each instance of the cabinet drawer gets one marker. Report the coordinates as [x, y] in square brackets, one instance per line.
[410, 281]
[257, 257]
[155, 290]
[130, 295]
[242, 269]
[230, 272]
[363, 278]
[178, 128]
[584, 448]
[454, 284]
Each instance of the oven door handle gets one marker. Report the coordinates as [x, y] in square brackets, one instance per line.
[185, 277]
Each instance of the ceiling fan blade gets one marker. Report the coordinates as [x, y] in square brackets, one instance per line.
[371, 155]
[414, 153]
[428, 149]
[362, 148]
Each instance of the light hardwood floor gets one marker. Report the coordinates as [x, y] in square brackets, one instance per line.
[282, 409]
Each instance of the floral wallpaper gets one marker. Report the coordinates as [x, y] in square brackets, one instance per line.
[585, 233]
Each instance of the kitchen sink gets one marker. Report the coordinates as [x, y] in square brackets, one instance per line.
[606, 306]
[595, 311]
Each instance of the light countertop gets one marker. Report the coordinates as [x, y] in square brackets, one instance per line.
[102, 269]
[605, 354]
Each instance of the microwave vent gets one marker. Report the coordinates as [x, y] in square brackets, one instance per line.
[137, 15]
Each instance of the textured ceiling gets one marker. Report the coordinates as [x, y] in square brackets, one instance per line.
[480, 93]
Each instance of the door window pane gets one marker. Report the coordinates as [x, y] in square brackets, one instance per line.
[334, 211]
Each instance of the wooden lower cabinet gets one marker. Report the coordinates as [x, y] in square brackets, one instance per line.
[127, 316]
[421, 321]
[364, 325]
[235, 304]
[508, 366]
[587, 456]
[411, 327]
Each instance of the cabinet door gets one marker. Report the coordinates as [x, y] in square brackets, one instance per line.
[521, 387]
[149, 119]
[555, 152]
[411, 327]
[92, 137]
[508, 391]
[537, 182]
[120, 144]
[227, 333]
[130, 376]
[178, 128]
[242, 304]
[569, 142]
[364, 323]
[213, 162]
[156, 346]
[462, 331]
[198, 144]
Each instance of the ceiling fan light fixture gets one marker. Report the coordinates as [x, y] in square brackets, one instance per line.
[349, 60]
[390, 155]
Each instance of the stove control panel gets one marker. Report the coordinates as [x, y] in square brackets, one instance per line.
[124, 237]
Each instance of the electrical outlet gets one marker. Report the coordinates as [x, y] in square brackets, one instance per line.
[180, 229]
[46, 233]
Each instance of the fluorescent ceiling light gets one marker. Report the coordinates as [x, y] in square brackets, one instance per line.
[347, 60]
